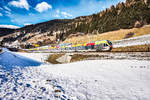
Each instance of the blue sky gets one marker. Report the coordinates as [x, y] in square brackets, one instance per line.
[25, 12]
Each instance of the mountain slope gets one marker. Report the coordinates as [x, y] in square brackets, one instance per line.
[6, 31]
[122, 16]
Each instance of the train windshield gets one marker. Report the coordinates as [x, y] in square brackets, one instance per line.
[109, 42]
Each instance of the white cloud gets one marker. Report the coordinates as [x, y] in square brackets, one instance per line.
[7, 12]
[41, 7]
[8, 9]
[31, 14]
[57, 11]
[1, 8]
[9, 26]
[20, 4]
[1, 14]
[56, 16]
[26, 24]
[63, 14]
[66, 15]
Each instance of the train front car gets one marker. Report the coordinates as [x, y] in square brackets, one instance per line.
[110, 45]
[104, 45]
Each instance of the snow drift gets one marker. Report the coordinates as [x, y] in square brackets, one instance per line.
[8, 60]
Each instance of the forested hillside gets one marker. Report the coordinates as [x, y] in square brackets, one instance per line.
[6, 31]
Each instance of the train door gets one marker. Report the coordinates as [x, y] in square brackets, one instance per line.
[99, 47]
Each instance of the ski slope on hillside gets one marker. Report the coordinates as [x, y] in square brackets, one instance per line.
[86, 80]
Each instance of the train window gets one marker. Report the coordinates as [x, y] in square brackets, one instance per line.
[105, 45]
[92, 46]
[86, 47]
[80, 47]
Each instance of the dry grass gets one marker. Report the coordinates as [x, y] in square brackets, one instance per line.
[81, 57]
[75, 57]
[1, 50]
[23, 51]
[52, 58]
[78, 57]
[114, 35]
[138, 48]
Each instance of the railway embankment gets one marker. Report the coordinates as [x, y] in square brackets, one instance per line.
[53, 58]
[136, 48]
[60, 58]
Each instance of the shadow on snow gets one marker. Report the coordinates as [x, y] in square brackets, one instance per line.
[10, 60]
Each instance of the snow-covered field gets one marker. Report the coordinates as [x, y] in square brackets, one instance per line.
[41, 57]
[86, 80]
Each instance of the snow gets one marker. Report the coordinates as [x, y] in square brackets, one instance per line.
[9, 26]
[140, 40]
[41, 57]
[8, 60]
[86, 80]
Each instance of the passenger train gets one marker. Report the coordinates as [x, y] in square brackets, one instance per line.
[104, 45]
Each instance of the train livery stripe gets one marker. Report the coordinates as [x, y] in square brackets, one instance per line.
[85, 46]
